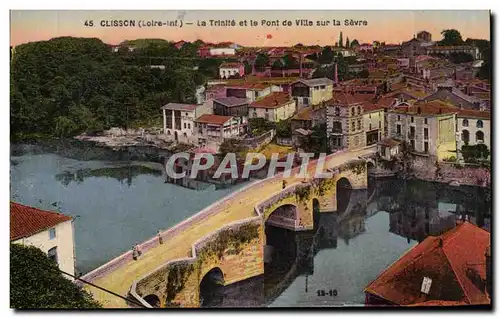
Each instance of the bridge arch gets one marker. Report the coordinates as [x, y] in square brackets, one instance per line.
[153, 300]
[343, 189]
[211, 288]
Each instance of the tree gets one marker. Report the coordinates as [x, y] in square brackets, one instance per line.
[248, 67]
[354, 43]
[35, 282]
[475, 153]
[290, 62]
[326, 56]
[341, 41]
[262, 60]
[451, 37]
[347, 44]
[284, 128]
[317, 141]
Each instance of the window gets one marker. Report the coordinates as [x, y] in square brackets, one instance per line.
[479, 124]
[359, 124]
[465, 123]
[399, 117]
[379, 124]
[426, 146]
[465, 136]
[411, 119]
[189, 125]
[425, 121]
[412, 132]
[337, 111]
[52, 254]
[185, 126]
[359, 110]
[353, 126]
[52, 233]
[370, 126]
[370, 116]
[426, 133]
[412, 142]
[479, 137]
[398, 129]
[353, 111]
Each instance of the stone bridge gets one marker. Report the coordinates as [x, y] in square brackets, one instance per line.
[225, 241]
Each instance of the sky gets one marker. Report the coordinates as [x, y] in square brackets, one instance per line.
[389, 26]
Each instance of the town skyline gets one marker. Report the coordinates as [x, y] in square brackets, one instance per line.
[384, 26]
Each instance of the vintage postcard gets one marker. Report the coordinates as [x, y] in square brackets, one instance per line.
[226, 159]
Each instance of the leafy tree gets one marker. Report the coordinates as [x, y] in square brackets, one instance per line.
[290, 62]
[354, 43]
[262, 60]
[35, 282]
[475, 153]
[460, 57]
[248, 67]
[326, 56]
[284, 128]
[258, 126]
[317, 141]
[299, 45]
[233, 146]
[451, 37]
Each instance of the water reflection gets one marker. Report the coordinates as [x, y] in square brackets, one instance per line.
[124, 173]
[348, 250]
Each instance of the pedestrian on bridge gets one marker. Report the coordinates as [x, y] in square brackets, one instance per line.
[160, 239]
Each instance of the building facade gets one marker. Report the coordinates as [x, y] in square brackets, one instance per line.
[178, 120]
[345, 122]
[275, 107]
[226, 70]
[312, 92]
[49, 231]
[429, 127]
[474, 128]
[213, 129]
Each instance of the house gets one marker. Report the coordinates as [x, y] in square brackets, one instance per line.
[304, 121]
[456, 97]
[474, 127]
[232, 106]
[429, 127]
[213, 129]
[251, 91]
[310, 92]
[388, 148]
[413, 47]
[51, 232]
[424, 36]
[454, 267]
[274, 107]
[222, 51]
[228, 69]
[178, 120]
[374, 122]
[447, 50]
[345, 122]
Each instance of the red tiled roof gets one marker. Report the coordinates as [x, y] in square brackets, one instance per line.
[451, 261]
[304, 114]
[250, 86]
[231, 65]
[345, 99]
[26, 221]
[472, 113]
[213, 119]
[435, 107]
[274, 100]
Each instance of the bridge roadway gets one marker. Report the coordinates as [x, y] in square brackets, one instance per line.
[240, 205]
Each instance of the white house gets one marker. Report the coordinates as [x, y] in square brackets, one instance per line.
[51, 232]
[178, 120]
[222, 51]
[228, 69]
[473, 127]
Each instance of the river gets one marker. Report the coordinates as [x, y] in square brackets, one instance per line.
[120, 202]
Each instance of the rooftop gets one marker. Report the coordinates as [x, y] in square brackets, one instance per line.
[213, 119]
[435, 107]
[315, 81]
[274, 100]
[453, 261]
[249, 86]
[231, 101]
[472, 113]
[346, 99]
[231, 65]
[26, 221]
[182, 107]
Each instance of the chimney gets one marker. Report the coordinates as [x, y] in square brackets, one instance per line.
[489, 282]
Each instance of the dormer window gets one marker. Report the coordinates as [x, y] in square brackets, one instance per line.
[479, 124]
